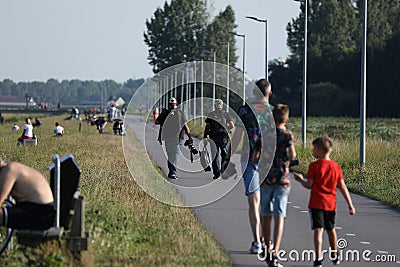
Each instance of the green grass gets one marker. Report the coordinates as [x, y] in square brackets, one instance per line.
[126, 226]
[379, 180]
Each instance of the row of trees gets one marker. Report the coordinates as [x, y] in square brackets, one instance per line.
[71, 92]
[183, 31]
[334, 58]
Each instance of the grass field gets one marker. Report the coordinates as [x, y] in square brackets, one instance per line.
[126, 227]
[129, 228]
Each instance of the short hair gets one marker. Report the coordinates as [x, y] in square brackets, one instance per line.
[264, 85]
[57, 124]
[325, 143]
[218, 104]
[280, 113]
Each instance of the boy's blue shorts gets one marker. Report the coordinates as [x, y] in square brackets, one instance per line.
[274, 201]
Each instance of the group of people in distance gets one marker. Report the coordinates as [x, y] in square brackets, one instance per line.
[27, 132]
[267, 191]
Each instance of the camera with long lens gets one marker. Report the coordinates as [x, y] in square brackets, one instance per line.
[192, 149]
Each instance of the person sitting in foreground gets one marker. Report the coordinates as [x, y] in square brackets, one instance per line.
[34, 208]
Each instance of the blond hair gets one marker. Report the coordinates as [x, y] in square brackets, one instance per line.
[325, 143]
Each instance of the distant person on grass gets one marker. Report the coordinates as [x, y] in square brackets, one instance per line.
[58, 130]
[34, 207]
[323, 177]
[37, 123]
[15, 127]
[253, 124]
[28, 131]
[1, 118]
[275, 188]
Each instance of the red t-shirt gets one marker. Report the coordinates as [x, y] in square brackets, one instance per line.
[326, 175]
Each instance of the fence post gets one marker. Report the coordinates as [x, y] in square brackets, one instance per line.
[56, 160]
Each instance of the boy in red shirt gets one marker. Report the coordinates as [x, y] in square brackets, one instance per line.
[323, 177]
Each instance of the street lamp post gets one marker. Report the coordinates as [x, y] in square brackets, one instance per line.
[227, 74]
[244, 63]
[194, 91]
[213, 95]
[363, 102]
[304, 91]
[201, 90]
[266, 42]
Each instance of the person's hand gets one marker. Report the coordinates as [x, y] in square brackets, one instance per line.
[298, 176]
[352, 210]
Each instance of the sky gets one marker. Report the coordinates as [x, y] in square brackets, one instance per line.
[103, 39]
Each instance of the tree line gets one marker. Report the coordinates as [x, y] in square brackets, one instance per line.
[334, 58]
[183, 30]
[71, 92]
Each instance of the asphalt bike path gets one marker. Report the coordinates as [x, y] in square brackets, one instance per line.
[370, 238]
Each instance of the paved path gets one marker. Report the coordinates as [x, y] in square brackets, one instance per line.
[374, 228]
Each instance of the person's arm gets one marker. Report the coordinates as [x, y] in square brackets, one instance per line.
[231, 125]
[187, 131]
[345, 192]
[7, 181]
[307, 183]
[291, 152]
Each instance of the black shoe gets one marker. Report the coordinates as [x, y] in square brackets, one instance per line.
[216, 176]
[274, 262]
[173, 176]
[317, 263]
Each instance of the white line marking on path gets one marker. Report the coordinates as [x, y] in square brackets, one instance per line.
[365, 243]
[338, 227]
[296, 207]
[351, 234]
[304, 211]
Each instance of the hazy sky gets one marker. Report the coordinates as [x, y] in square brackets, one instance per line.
[103, 39]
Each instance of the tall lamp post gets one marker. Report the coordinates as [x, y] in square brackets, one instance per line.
[244, 63]
[213, 95]
[363, 99]
[266, 41]
[201, 90]
[304, 91]
[227, 73]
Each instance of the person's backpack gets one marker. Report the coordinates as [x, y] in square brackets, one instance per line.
[218, 121]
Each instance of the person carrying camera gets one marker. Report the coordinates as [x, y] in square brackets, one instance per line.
[172, 124]
[218, 123]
